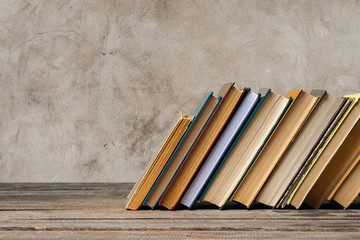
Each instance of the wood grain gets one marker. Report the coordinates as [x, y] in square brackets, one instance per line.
[96, 211]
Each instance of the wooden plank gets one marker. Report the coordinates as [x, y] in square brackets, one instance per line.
[119, 214]
[73, 211]
[69, 224]
[173, 235]
[125, 187]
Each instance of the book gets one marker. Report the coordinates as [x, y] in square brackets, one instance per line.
[230, 98]
[348, 187]
[348, 191]
[219, 150]
[244, 150]
[203, 113]
[155, 166]
[280, 140]
[336, 166]
[301, 148]
[344, 175]
[327, 151]
[309, 161]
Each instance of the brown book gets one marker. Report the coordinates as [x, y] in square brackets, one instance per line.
[348, 187]
[337, 165]
[246, 148]
[309, 161]
[173, 193]
[155, 166]
[291, 162]
[325, 154]
[182, 151]
[278, 143]
[344, 175]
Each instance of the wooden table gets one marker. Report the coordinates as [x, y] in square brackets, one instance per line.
[96, 211]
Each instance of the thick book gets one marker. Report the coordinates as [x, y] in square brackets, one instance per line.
[219, 150]
[301, 148]
[155, 166]
[323, 157]
[310, 160]
[336, 166]
[245, 149]
[280, 140]
[230, 98]
[344, 175]
[203, 114]
[348, 187]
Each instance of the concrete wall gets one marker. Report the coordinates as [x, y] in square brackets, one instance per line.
[89, 88]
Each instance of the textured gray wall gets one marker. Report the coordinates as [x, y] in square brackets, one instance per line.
[89, 88]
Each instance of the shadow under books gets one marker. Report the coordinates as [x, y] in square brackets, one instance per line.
[255, 206]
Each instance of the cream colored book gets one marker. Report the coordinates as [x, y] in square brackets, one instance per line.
[246, 148]
[337, 165]
[331, 145]
[290, 164]
[309, 161]
[277, 145]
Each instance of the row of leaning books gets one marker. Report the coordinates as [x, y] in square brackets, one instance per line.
[261, 147]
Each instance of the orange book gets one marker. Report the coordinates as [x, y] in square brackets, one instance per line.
[155, 166]
[180, 154]
[275, 147]
[348, 187]
[345, 175]
[176, 188]
[337, 165]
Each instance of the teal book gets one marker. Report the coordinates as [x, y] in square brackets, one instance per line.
[202, 114]
[247, 146]
[263, 93]
[217, 153]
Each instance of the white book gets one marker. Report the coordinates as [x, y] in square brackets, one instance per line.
[220, 149]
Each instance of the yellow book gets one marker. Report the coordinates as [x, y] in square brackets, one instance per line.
[155, 166]
[284, 199]
[301, 148]
[337, 165]
[199, 121]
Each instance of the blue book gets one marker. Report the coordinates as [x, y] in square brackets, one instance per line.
[220, 149]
